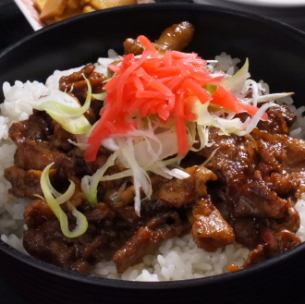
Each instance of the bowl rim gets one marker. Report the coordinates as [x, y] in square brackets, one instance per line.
[188, 6]
[267, 3]
[136, 285]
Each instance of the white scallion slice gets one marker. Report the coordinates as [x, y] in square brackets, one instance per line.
[203, 135]
[210, 157]
[179, 174]
[141, 179]
[272, 97]
[99, 96]
[252, 123]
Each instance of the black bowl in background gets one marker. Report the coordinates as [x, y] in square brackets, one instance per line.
[276, 54]
[291, 13]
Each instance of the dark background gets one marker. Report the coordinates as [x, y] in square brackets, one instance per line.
[13, 27]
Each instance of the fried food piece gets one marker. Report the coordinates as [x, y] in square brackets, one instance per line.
[52, 9]
[39, 4]
[88, 9]
[102, 4]
[55, 10]
[73, 5]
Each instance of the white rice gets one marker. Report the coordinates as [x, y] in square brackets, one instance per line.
[177, 258]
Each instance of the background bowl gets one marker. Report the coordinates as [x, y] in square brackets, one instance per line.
[273, 3]
[289, 11]
[276, 54]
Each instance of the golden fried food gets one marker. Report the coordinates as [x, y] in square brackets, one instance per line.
[51, 9]
[88, 9]
[102, 4]
[56, 10]
[39, 4]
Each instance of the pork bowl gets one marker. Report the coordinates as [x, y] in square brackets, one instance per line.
[169, 150]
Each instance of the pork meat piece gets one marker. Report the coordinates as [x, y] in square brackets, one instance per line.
[186, 191]
[76, 85]
[256, 199]
[44, 240]
[247, 231]
[235, 157]
[275, 243]
[24, 183]
[290, 221]
[36, 128]
[36, 155]
[176, 37]
[209, 229]
[60, 139]
[148, 238]
[281, 151]
[280, 119]
[283, 155]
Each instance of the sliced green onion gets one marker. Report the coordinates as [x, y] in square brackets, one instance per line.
[54, 204]
[236, 82]
[70, 111]
[52, 189]
[211, 88]
[65, 197]
[210, 157]
[157, 168]
[89, 184]
[71, 118]
[119, 175]
[172, 161]
[225, 126]
[74, 125]
[99, 96]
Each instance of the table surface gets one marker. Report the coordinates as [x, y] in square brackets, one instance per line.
[13, 27]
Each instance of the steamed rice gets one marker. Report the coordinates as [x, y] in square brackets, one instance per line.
[177, 258]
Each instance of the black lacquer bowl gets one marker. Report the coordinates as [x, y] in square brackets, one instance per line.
[277, 55]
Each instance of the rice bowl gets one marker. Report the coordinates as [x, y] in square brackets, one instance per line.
[177, 258]
[94, 290]
[275, 3]
[166, 264]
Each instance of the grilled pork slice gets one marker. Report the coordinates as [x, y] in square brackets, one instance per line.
[24, 183]
[148, 238]
[178, 193]
[210, 230]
